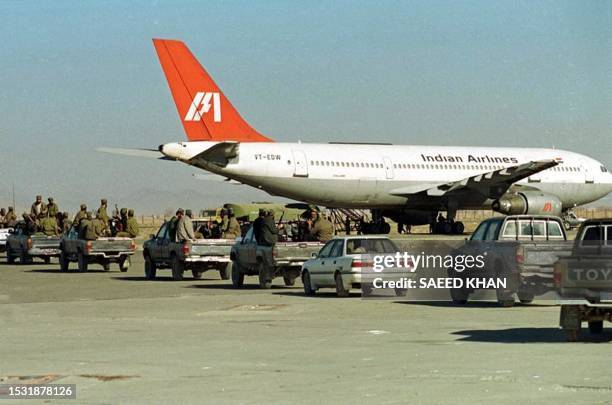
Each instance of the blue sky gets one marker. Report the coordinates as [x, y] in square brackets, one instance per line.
[79, 75]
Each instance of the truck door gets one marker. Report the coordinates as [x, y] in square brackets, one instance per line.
[300, 165]
[388, 168]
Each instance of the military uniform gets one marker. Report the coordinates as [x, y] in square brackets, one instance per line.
[322, 230]
[48, 226]
[10, 219]
[101, 214]
[132, 227]
[66, 223]
[94, 229]
[82, 227]
[52, 209]
[269, 232]
[184, 229]
[81, 215]
[172, 223]
[232, 230]
[37, 207]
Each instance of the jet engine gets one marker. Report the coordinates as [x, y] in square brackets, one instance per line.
[528, 202]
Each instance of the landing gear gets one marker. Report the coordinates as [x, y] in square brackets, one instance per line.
[377, 226]
[448, 226]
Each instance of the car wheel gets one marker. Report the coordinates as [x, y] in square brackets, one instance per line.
[596, 327]
[289, 280]
[106, 266]
[197, 274]
[226, 272]
[10, 259]
[401, 292]
[24, 258]
[572, 335]
[458, 228]
[308, 290]
[149, 267]
[47, 260]
[264, 279]
[82, 260]
[64, 262]
[177, 269]
[237, 275]
[341, 291]
[124, 264]
[525, 298]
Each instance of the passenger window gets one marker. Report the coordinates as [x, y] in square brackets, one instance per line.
[554, 230]
[525, 229]
[248, 238]
[492, 230]
[337, 249]
[479, 233]
[510, 229]
[539, 231]
[162, 231]
[325, 250]
[592, 235]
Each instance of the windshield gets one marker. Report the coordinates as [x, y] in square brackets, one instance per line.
[357, 246]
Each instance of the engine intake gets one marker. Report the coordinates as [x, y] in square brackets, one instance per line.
[528, 202]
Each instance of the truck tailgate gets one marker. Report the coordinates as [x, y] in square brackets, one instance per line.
[590, 273]
[112, 245]
[296, 251]
[542, 256]
[45, 242]
[217, 247]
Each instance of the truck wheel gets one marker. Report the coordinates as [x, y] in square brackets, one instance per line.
[525, 298]
[177, 269]
[106, 266]
[63, 262]
[197, 274]
[572, 335]
[82, 260]
[570, 319]
[401, 292]
[459, 296]
[264, 279]
[340, 290]
[366, 289]
[149, 267]
[226, 272]
[124, 264]
[47, 260]
[289, 280]
[596, 327]
[458, 228]
[237, 275]
[308, 290]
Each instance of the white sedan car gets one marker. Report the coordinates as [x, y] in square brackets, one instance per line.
[347, 262]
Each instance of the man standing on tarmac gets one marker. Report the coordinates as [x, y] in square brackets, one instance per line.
[322, 229]
[184, 227]
[269, 232]
[232, 229]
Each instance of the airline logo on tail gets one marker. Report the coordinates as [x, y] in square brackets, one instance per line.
[201, 104]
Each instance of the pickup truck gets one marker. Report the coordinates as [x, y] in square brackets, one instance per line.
[521, 249]
[284, 259]
[584, 279]
[198, 255]
[4, 233]
[103, 251]
[22, 245]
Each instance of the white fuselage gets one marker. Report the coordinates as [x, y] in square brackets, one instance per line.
[364, 175]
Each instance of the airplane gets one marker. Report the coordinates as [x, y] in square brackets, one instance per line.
[410, 184]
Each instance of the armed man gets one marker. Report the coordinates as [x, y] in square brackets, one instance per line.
[52, 208]
[29, 226]
[232, 229]
[83, 224]
[184, 228]
[101, 213]
[258, 224]
[37, 206]
[132, 225]
[173, 222]
[81, 215]
[321, 229]
[66, 222]
[10, 219]
[48, 225]
[269, 232]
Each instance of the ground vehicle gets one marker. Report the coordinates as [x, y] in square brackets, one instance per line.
[520, 248]
[4, 233]
[103, 251]
[198, 255]
[343, 263]
[584, 279]
[571, 220]
[26, 247]
[284, 259]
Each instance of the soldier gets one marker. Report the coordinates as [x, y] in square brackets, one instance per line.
[29, 226]
[257, 225]
[83, 224]
[37, 206]
[52, 208]
[66, 222]
[48, 225]
[123, 218]
[2, 218]
[132, 224]
[94, 229]
[184, 229]
[102, 214]
[269, 232]
[81, 215]
[322, 229]
[232, 229]
[10, 219]
[173, 222]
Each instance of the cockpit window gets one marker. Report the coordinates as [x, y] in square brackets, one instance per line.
[604, 169]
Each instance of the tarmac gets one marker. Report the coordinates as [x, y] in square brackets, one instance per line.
[122, 339]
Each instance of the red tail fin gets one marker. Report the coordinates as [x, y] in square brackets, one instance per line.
[206, 114]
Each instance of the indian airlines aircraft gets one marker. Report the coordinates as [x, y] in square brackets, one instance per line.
[407, 183]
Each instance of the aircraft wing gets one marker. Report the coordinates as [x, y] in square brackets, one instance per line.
[492, 184]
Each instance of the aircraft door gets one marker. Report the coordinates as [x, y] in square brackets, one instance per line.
[588, 175]
[300, 165]
[388, 168]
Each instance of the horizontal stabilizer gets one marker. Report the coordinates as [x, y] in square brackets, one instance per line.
[137, 152]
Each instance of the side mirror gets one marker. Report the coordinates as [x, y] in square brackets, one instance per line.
[314, 255]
